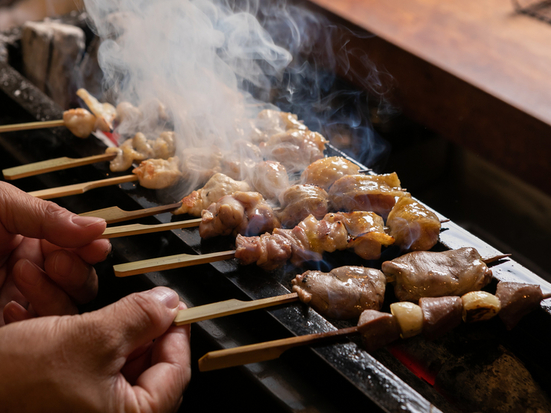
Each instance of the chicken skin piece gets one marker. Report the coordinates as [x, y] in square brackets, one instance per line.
[413, 226]
[365, 231]
[299, 201]
[325, 171]
[215, 188]
[140, 148]
[376, 193]
[343, 293]
[80, 122]
[158, 173]
[295, 148]
[270, 122]
[105, 112]
[245, 213]
[270, 178]
[434, 274]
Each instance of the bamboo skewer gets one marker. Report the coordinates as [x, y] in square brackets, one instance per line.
[115, 214]
[51, 165]
[82, 187]
[229, 307]
[268, 350]
[169, 262]
[32, 125]
[136, 229]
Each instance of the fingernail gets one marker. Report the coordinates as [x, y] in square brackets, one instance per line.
[85, 221]
[166, 296]
[63, 263]
[28, 273]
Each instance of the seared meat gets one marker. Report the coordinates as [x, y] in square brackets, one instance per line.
[377, 329]
[241, 159]
[158, 173]
[295, 148]
[270, 179]
[413, 226]
[343, 293]
[140, 148]
[440, 315]
[376, 193]
[80, 122]
[325, 171]
[270, 122]
[434, 274]
[245, 213]
[105, 112]
[517, 300]
[366, 232]
[299, 201]
[215, 188]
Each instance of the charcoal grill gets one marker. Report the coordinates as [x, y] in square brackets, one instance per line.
[332, 377]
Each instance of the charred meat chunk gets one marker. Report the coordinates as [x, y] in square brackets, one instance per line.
[433, 274]
[377, 329]
[517, 300]
[440, 315]
[325, 171]
[343, 293]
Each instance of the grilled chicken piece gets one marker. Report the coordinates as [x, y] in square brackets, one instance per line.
[434, 274]
[270, 179]
[216, 187]
[105, 112]
[305, 242]
[517, 300]
[199, 164]
[413, 226]
[378, 329]
[299, 201]
[295, 148]
[245, 213]
[80, 122]
[376, 193]
[270, 122]
[366, 232]
[140, 148]
[127, 112]
[239, 162]
[440, 315]
[343, 293]
[325, 171]
[158, 173]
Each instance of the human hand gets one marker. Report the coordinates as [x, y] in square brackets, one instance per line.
[46, 257]
[125, 357]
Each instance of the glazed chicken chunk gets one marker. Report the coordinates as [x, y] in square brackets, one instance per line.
[158, 173]
[376, 193]
[140, 148]
[215, 188]
[413, 226]
[295, 148]
[80, 122]
[105, 112]
[270, 122]
[432, 274]
[270, 178]
[343, 293]
[299, 201]
[245, 213]
[325, 171]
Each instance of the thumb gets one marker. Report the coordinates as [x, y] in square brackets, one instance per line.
[139, 318]
[21, 213]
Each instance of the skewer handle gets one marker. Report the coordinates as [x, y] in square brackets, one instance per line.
[81, 188]
[169, 263]
[229, 307]
[136, 229]
[51, 165]
[115, 214]
[268, 350]
[32, 125]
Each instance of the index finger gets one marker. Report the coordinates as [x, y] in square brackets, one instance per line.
[24, 214]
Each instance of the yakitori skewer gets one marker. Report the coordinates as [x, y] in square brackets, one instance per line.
[115, 214]
[229, 307]
[32, 125]
[136, 229]
[433, 317]
[52, 165]
[76, 189]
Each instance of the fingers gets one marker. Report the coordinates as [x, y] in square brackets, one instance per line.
[15, 312]
[24, 214]
[94, 252]
[42, 293]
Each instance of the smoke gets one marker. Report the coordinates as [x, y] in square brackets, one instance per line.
[215, 64]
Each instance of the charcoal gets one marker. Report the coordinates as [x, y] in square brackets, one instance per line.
[36, 39]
